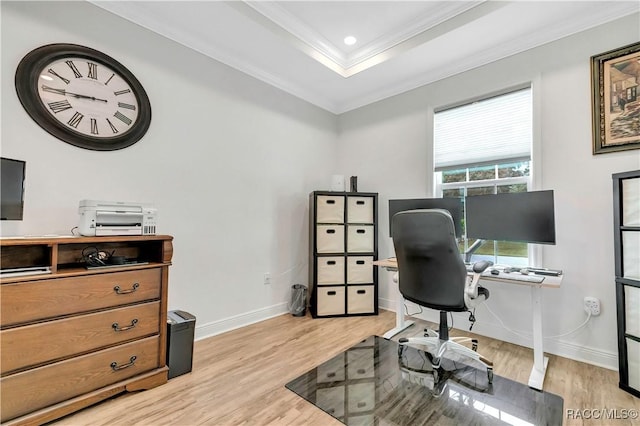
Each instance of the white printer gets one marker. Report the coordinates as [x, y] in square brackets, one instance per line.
[101, 218]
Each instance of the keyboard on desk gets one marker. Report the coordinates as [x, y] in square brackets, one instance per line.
[514, 276]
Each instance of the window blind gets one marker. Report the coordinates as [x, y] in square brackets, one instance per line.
[484, 132]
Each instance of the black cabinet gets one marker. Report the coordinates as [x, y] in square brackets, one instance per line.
[626, 191]
[342, 247]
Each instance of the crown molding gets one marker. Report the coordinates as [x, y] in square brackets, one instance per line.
[136, 14]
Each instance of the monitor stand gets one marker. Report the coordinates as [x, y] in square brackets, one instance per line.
[475, 246]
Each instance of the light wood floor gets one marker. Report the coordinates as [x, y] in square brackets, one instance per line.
[238, 377]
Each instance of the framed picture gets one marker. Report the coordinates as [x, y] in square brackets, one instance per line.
[615, 97]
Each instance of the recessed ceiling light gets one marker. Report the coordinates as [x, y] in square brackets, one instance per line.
[350, 40]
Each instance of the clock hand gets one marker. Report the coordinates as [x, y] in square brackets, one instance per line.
[75, 95]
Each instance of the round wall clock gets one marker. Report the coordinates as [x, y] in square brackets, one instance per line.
[83, 97]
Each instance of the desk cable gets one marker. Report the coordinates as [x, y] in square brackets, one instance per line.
[528, 336]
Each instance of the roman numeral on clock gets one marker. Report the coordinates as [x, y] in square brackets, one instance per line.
[50, 71]
[73, 68]
[113, 128]
[93, 70]
[126, 120]
[122, 92]
[94, 126]
[127, 106]
[59, 106]
[75, 120]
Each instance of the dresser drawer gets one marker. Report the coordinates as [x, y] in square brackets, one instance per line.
[329, 209]
[330, 270]
[40, 387]
[360, 209]
[39, 343]
[36, 300]
[330, 238]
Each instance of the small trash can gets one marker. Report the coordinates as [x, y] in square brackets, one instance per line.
[181, 326]
[298, 304]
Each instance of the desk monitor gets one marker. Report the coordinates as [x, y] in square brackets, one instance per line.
[520, 216]
[12, 191]
[451, 204]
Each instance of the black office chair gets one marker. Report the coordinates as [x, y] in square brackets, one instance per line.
[432, 274]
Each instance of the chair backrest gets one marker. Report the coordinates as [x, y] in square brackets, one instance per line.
[431, 270]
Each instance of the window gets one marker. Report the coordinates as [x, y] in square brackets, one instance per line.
[484, 147]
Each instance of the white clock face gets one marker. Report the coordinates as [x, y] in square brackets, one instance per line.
[88, 97]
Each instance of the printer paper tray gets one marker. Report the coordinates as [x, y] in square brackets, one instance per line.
[102, 231]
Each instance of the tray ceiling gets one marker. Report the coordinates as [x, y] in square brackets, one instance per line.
[298, 46]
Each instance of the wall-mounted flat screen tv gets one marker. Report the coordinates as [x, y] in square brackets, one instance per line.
[12, 174]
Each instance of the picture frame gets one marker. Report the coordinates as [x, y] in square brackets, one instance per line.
[615, 99]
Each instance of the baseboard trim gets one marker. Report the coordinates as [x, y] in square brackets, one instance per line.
[227, 324]
[589, 355]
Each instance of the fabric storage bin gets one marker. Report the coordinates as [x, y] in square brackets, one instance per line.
[360, 238]
[359, 269]
[360, 299]
[359, 209]
[330, 238]
[330, 209]
[330, 269]
[330, 300]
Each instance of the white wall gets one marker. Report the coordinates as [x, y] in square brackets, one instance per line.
[228, 161]
[389, 146]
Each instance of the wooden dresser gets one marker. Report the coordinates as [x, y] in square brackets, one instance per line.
[76, 336]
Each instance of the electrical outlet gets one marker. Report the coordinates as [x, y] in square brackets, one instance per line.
[267, 278]
[592, 304]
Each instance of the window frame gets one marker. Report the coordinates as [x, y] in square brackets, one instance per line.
[534, 178]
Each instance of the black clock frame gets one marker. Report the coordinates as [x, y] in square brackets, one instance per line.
[26, 82]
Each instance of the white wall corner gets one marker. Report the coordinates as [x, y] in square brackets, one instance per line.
[237, 321]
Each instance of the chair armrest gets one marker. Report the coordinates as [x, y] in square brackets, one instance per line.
[471, 286]
[480, 267]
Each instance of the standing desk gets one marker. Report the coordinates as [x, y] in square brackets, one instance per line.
[539, 369]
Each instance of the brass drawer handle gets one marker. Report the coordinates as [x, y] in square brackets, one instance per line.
[116, 367]
[116, 327]
[119, 291]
